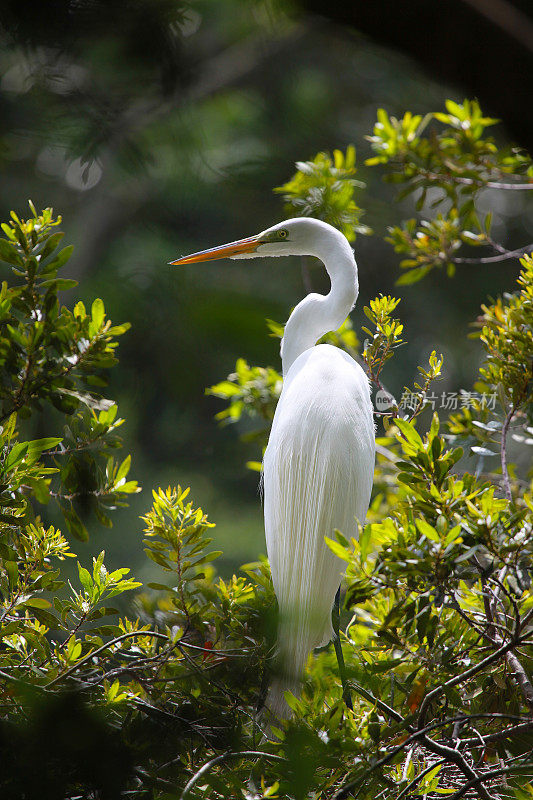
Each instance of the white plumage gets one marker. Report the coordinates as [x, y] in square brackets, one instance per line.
[319, 463]
[313, 484]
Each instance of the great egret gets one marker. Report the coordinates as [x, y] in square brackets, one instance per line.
[319, 463]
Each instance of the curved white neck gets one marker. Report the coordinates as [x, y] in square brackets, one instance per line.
[318, 314]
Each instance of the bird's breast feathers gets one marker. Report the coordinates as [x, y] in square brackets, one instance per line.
[326, 390]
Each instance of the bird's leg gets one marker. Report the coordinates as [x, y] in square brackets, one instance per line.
[335, 619]
[263, 691]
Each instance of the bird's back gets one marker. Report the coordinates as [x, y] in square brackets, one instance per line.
[318, 470]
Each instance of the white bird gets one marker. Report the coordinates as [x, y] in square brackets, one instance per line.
[319, 463]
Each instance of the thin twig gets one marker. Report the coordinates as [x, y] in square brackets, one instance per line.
[482, 633]
[419, 777]
[456, 758]
[521, 251]
[224, 757]
[99, 650]
[493, 773]
[464, 676]
[506, 733]
[371, 698]
[505, 473]
[450, 176]
[518, 673]
[436, 747]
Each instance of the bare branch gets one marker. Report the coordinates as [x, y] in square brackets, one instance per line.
[505, 473]
[390, 712]
[507, 733]
[503, 256]
[480, 182]
[493, 773]
[448, 753]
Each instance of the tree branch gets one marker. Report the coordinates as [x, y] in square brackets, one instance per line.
[99, 650]
[493, 773]
[224, 757]
[464, 676]
[505, 473]
[521, 251]
[448, 753]
[507, 733]
[419, 777]
[450, 176]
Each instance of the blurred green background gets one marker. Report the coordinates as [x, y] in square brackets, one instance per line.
[159, 128]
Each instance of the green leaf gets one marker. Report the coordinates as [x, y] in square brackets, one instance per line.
[158, 558]
[123, 469]
[97, 314]
[37, 602]
[364, 541]
[59, 284]
[75, 525]
[9, 253]
[410, 433]
[428, 531]
[46, 618]
[337, 548]
[412, 276]
[51, 244]
[44, 444]
[205, 559]
[85, 578]
[40, 488]
[61, 259]
[11, 568]
[17, 454]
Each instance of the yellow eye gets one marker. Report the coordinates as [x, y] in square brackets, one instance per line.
[283, 234]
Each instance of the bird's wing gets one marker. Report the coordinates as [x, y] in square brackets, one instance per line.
[318, 470]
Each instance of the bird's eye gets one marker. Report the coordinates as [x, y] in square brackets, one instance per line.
[283, 234]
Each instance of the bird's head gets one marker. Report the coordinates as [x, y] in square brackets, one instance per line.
[300, 236]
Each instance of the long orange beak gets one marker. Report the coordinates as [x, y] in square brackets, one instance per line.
[248, 245]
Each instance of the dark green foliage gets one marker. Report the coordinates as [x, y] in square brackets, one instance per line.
[64, 744]
[507, 334]
[50, 354]
[40, 338]
[113, 698]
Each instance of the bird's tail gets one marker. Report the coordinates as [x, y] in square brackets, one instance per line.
[296, 639]
[276, 705]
